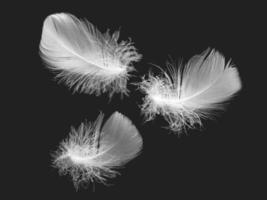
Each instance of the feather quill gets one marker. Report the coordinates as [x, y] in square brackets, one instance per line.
[85, 59]
[92, 153]
[185, 95]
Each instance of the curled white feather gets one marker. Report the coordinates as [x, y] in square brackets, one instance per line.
[92, 153]
[85, 59]
[184, 95]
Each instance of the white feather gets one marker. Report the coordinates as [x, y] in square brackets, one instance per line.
[91, 153]
[184, 95]
[86, 60]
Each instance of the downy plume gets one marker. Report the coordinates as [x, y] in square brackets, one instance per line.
[85, 59]
[186, 94]
[92, 152]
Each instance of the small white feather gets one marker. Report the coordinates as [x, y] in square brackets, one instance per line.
[184, 95]
[92, 153]
[85, 59]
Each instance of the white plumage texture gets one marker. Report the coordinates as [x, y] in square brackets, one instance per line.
[85, 59]
[184, 95]
[92, 153]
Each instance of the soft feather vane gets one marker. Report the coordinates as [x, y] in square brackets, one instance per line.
[85, 59]
[91, 153]
[184, 96]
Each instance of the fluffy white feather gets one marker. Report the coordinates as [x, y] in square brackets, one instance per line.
[92, 153]
[184, 95]
[85, 59]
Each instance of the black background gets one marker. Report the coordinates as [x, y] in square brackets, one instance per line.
[214, 161]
